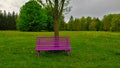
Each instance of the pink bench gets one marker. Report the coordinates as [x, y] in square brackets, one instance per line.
[53, 43]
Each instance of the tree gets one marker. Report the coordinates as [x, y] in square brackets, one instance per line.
[92, 25]
[66, 27]
[4, 20]
[83, 24]
[1, 19]
[98, 24]
[76, 24]
[62, 23]
[88, 21]
[58, 6]
[70, 23]
[31, 17]
[107, 22]
[115, 26]
[13, 19]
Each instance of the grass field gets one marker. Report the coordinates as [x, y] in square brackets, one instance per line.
[89, 50]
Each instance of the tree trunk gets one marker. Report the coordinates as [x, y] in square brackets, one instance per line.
[56, 33]
[56, 28]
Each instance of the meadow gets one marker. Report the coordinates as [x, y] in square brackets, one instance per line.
[89, 50]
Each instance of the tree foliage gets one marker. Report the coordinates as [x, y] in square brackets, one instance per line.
[107, 22]
[31, 17]
[115, 26]
[50, 18]
[8, 20]
[92, 25]
[70, 23]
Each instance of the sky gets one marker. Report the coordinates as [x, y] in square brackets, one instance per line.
[93, 8]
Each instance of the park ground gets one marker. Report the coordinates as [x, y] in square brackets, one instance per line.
[89, 50]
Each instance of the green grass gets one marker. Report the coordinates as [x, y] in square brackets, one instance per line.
[89, 50]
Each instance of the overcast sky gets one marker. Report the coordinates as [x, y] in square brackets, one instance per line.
[93, 8]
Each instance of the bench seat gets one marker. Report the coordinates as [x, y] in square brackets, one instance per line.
[53, 43]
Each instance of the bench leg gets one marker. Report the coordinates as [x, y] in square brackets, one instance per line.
[38, 53]
[68, 52]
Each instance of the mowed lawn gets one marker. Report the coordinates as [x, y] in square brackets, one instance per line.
[89, 50]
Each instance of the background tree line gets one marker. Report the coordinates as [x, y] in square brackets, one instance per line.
[110, 22]
[8, 20]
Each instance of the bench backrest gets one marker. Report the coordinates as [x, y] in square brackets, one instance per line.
[53, 41]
